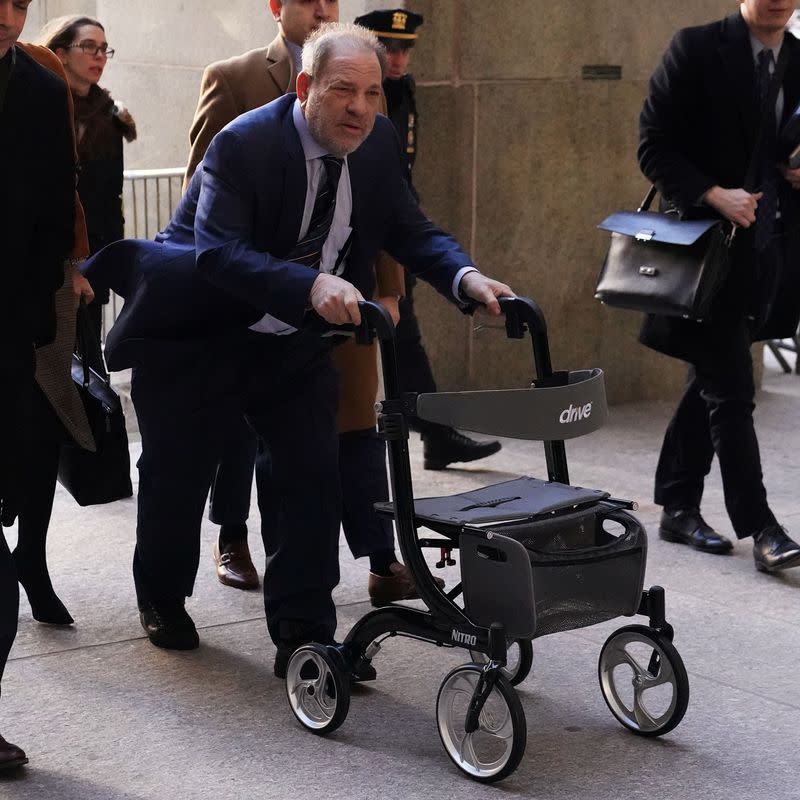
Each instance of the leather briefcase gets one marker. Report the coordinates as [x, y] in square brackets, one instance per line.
[660, 264]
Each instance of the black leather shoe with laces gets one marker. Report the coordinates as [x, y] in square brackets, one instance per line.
[447, 445]
[773, 550]
[169, 627]
[688, 527]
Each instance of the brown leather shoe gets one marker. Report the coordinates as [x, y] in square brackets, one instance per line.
[10, 755]
[234, 565]
[385, 589]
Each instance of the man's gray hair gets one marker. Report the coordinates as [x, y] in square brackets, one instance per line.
[336, 38]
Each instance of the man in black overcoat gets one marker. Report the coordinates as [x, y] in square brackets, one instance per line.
[37, 224]
[699, 137]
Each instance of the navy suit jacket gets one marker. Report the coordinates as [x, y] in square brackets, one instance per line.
[219, 264]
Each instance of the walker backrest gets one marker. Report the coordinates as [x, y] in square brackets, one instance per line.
[542, 413]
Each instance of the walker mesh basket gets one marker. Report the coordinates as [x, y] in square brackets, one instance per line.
[583, 573]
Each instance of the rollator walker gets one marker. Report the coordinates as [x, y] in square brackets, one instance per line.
[537, 557]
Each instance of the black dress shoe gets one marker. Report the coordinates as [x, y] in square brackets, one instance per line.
[688, 527]
[773, 550]
[11, 756]
[447, 445]
[169, 627]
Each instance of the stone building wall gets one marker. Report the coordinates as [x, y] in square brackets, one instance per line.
[520, 156]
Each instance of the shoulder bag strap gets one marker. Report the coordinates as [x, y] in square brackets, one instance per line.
[87, 348]
[648, 199]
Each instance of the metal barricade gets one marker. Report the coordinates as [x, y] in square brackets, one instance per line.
[790, 345]
[149, 198]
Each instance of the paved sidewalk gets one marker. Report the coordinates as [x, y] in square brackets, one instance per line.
[103, 714]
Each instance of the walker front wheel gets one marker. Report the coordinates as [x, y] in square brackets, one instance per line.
[643, 680]
[318, 688]
[519, 663]
[494, 750]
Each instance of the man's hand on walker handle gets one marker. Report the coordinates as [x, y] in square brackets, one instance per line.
[336, 300]
[485, 291]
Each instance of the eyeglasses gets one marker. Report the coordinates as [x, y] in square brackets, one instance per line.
[92, 49]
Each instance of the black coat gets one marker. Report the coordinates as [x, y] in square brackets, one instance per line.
[37, 215]
[698, 128]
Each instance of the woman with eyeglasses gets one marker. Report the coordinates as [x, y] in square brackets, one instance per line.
[100, 126]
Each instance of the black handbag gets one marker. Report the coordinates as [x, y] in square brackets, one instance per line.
[660, 264]
[102, 476]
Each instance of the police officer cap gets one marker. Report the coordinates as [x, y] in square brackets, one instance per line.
[395, 28]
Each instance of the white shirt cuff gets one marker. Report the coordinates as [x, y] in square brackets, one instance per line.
[457, 280]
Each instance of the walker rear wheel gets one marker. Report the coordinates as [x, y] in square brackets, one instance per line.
[520, 660]
[643, 680]
[495, 749]
[318, 688]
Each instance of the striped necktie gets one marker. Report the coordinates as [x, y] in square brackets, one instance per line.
[308, 250]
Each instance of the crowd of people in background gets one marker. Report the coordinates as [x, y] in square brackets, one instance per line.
[254, 251]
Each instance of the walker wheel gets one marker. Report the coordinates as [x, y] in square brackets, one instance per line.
[643, 680]
[318, 688]
[520, 660]
[495, 749]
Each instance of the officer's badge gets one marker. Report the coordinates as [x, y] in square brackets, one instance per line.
[399, 20]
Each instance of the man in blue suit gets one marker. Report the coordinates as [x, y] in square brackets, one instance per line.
[292, 204]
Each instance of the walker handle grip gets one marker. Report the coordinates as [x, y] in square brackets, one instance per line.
[375, 322]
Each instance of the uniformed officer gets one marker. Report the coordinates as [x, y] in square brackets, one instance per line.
[397, 30]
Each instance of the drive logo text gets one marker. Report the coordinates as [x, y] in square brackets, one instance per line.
[575, 413]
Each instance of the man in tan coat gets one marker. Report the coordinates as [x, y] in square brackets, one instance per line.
[230, 88]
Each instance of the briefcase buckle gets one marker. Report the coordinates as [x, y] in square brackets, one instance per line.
[650, 272]
[645, 235]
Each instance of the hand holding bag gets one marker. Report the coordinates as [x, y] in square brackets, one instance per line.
[102, 476]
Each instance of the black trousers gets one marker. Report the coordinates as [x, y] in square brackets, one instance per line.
[715, 413]
[16, 386]
[286, 387]
[715, 417]
[9, 602]
[233, 479]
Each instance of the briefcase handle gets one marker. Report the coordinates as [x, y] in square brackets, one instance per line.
[87, 348]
